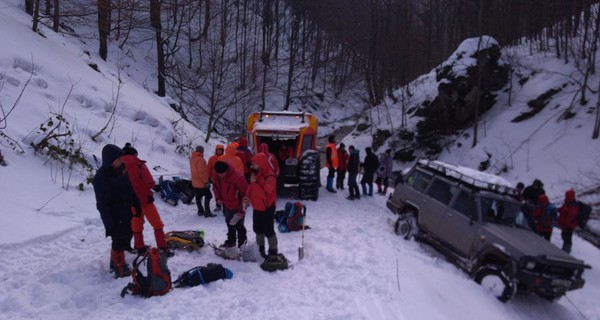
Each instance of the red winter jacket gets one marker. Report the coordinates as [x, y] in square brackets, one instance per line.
[273, 163]
[342, 160]
[244, 154]
[541, 214]
[567, 220]
[140, 177]
[262, 193]
[230, 188]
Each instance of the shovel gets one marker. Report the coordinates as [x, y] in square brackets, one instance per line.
[301, 248]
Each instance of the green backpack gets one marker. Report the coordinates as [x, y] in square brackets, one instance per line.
[275, 262]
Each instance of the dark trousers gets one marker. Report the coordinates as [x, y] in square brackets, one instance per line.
[238, 230]
[339, 181]
[567, 237]
[207, 195]
[353, 185]
[263, 221]
[121, 237]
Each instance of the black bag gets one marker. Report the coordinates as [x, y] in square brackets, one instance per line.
[275, 262]
[186, 190]
[585, 211]
[203, 275]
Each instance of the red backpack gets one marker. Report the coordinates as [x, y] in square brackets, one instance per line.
[157, 280]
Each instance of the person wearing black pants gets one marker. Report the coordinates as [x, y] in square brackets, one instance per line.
[353, 167]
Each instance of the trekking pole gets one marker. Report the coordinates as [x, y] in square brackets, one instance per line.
[301, 248]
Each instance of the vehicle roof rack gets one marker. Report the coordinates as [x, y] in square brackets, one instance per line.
[300, 115]
[462, 174]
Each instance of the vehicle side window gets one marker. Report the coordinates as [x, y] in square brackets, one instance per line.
[440, 190]
[465, 204]
[306, 142]
[418, 180]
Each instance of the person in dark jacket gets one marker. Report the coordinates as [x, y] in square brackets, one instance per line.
[567, 219]
[262, 195]
[230, 187]
[342, 166]
[353, 168]
[384, 172]
[370, 165]
[532, 192]
[116, 201]
[143, 183]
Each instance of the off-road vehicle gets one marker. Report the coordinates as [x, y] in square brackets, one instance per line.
[473, 219]
[292, 138]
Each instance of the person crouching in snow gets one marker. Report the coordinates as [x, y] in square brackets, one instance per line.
[262, 195]
[116, 201]
[229, 187]
[143, 183]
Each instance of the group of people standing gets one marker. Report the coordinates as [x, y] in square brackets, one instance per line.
[339, 162]
[123, 188]
[545, 215]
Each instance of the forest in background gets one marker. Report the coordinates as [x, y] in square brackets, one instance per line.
[220, 60]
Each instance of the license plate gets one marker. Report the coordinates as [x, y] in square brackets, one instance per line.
[561, 283]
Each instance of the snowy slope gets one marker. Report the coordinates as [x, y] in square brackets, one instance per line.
[55, 255]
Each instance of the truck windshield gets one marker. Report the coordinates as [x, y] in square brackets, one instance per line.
[503, 212]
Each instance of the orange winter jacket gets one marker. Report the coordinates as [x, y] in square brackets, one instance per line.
[231, 158]
[333, 155]
[214, 158]
[199, 170]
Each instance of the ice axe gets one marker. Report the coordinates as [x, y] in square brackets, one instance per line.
[301, 248]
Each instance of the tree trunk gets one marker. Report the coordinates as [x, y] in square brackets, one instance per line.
[160, 53]
[103, 25]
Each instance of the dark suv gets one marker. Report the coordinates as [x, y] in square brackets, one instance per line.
[474, 220]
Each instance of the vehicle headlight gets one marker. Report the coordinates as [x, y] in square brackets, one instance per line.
[530, 265]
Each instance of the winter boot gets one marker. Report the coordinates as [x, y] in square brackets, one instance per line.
[207, 213]
[379, 191]
[384, 190]
[118, 265]
[330, 185]
[272, 252]
[364, 188]
[371, 190]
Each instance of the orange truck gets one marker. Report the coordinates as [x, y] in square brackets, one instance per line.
[292, 138]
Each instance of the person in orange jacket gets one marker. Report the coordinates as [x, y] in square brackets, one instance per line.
[219, 149]
[143, 183]
[262, 195]
[200, 181]
[567, 219]
[273, 163]
[231, 157]
[331, 161]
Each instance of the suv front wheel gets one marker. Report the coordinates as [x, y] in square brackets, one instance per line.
[497, 281]
[406, 225]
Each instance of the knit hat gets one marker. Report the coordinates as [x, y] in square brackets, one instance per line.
[221, 167]
[331, 139]
[129, 150]
[110, 152]
[200, 149]
[342, 145]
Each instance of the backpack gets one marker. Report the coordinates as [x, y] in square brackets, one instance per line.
[203, 275]
[585, 210]
[185, 189]
[291, 218]
[169, 192]
[187, 240]
[549, 216]
[157, 280]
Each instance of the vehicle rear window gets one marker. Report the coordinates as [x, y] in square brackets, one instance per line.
[418, 180]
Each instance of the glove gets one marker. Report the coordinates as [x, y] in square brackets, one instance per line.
[108, 232]
[157, 188]
[236, 218]
[138, 211]
[207, 185]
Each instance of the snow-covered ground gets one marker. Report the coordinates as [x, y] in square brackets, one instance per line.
[55, 257]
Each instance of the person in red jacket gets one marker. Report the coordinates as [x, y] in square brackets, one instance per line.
[567, 219]
[342, 166]
[273, 163]
[544, 214]
[245, 155]
[229, 187]
[143, 183]
[262, 195]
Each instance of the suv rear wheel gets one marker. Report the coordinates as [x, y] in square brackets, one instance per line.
[497, 281]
